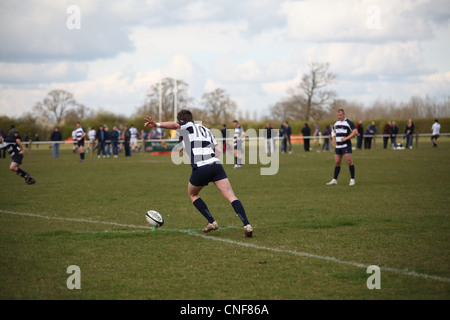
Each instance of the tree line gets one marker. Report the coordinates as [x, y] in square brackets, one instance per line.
[311, 99]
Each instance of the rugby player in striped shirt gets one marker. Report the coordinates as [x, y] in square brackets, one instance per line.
[80, 134]
[200, 145]
[15, 149]
[343, 130]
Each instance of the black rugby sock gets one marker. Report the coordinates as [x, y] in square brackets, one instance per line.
[352, 171]
[201, 206]
[22, 173]
[336, 172]
[239, 209]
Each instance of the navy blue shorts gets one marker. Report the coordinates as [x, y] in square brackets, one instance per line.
[347, 149]
[201, 176]
[80, 143]
[17, 158]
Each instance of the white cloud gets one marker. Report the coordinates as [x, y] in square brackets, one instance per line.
[375, 61]
[343, 20]
[36, 31]
[254, 49]
[26, 73]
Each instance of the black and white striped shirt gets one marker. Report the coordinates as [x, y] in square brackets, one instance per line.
[199, 144]
[11, 146]
[238, 131]
[79, 133]
[343, 129]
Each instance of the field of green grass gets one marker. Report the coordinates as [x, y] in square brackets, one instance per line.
[311, 241]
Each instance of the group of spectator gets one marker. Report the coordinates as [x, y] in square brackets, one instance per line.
[364, 138]
[390, 131]
[110, 142]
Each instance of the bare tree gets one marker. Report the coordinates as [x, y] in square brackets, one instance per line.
[312, 87]
[56, 105]
[288, 109]
[165, 92]
[219, 106]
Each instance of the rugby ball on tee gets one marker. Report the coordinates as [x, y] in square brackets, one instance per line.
[154, 218]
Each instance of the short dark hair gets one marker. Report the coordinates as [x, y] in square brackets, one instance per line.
[185, 116]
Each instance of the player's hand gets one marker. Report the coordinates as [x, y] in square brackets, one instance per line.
[21, 152]
[149, 122]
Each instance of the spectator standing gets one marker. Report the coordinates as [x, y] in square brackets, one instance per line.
[26, 140]
[360, 136]
[387, 132]
[114, 137]
[107, 143]
[133, 138]
[306, 131]
[269, 140]
[326, 141]
[224, 137]
[436, 131]
[91, 136]
[12, 132]
[160, 133]
[152, 134]
[126, 141]
[368, 136]
[239, 145]
[394, 135]
[409, 132]
[316, 135]
[101, 138]
[282, 134]
[36, 138]
[288, 133]
[56, 137]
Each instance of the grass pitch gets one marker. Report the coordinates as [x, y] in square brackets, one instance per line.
[311, 241]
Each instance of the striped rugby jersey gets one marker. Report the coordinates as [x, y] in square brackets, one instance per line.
[11, 146]
[237, 133]
[343, 129]
[133, 132]
[79, 132]
[199, 144]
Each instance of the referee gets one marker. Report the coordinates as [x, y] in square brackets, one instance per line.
[200, 144]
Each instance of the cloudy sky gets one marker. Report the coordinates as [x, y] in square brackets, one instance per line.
[108, 53]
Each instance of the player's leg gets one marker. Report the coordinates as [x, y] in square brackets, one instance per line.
[226, 190]
[351, 166]
[337, 168]
[201, 206]
[81, 150]
[15, 167]
[236, 157]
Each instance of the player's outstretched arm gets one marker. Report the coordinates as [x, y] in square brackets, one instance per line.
[165, 125]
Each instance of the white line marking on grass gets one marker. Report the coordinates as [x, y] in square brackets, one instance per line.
[237, 243]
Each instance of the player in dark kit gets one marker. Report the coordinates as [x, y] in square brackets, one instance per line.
[15, 149]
